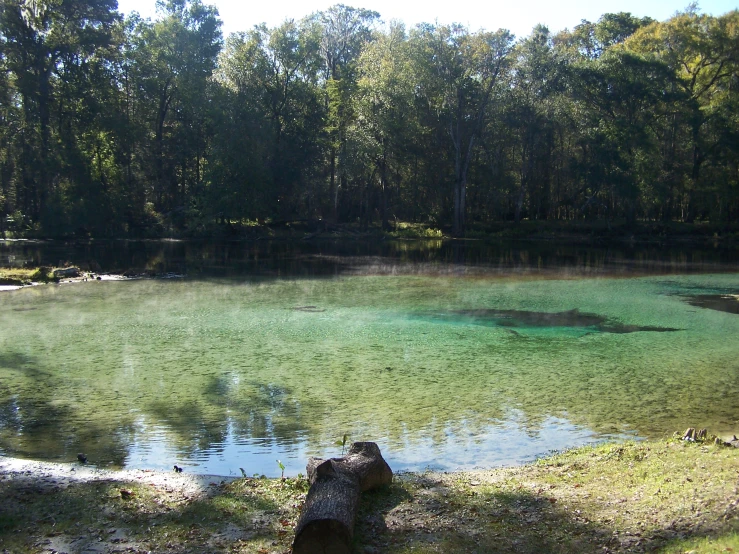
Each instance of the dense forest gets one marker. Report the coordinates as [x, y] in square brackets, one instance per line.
[116, 126]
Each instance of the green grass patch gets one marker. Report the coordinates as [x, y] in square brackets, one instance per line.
[708, 545]
[404, 230]
[19, 276]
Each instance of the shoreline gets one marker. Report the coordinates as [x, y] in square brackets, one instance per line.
[84, 277]
[670, 496]
[68, 472]
[578, 231]
[54, 474]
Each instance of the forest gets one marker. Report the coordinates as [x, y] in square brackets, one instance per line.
[117, 126]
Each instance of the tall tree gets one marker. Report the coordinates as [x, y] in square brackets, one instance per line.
[272, 77]
[702, 51]
[535, 78]
[344, 32]
[45, 42]
[176, 56]
[459, 71]
[385, 99]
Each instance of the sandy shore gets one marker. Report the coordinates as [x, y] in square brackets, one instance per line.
[28, 478]
[55, 475]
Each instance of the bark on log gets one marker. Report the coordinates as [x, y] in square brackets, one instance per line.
[326, 525]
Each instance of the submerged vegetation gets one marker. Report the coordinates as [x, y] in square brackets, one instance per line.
[114, 126]
[663, 496]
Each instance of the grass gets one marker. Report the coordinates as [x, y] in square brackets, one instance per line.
[727, 543]
[246, 515]
[635, 497]
[663, 496]
[404, 230]
[18, 276]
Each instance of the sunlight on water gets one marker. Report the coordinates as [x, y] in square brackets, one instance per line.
[442, 372]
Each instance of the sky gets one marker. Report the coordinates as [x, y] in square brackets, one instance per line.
[518, 16]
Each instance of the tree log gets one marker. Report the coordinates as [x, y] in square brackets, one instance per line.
[326, 525]
[67, 272]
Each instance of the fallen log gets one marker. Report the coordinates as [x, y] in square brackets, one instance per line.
[326, 524]
[67, 272]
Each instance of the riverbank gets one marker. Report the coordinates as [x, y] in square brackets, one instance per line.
[600, 232]
[17, 278]
[665, 496]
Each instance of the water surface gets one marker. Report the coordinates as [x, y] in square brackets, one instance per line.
[444, 364]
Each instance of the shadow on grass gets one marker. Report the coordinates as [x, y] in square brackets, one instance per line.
[667, 496]
[421, 514]
[245, 515]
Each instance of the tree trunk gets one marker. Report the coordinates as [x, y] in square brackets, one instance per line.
[326, 524]
[383, 188]
[334, 187]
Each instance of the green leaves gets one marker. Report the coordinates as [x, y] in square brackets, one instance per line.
[342, 443]
[111, 127]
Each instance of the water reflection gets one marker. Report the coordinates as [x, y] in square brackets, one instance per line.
[220, 373]
[289, 259]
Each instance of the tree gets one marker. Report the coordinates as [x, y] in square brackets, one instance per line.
[271, 78]
[702, 52]
[534, 80]
[175, 58]
[46, 44]
[344, 32]
[458, 73]
[384, 99]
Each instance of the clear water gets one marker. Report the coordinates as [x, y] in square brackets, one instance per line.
[218, 374]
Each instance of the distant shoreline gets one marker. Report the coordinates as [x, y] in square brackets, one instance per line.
[565, 231]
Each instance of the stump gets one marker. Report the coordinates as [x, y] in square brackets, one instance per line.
[326, 525]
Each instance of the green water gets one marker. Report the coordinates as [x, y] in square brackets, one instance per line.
[218, 375]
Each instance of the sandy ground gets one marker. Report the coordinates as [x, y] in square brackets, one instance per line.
[53, 475]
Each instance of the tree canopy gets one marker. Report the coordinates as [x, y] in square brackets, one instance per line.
[116, 126]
